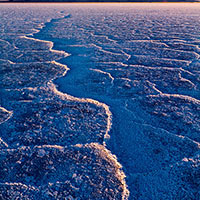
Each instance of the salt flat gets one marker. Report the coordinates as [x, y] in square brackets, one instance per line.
[100, 101]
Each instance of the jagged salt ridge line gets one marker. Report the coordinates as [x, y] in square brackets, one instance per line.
[5, 115]
[8, 61]
[106, 73]
[86, 100]
[4, 143]
[83, 100]
[184, 97]
[50, 44]
[19, 184]
[107, 51]
[69, 97]
[8, 116]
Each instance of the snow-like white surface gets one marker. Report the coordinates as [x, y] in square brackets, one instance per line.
[79, 79]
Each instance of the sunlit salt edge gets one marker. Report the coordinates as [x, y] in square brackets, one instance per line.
[96, 148]
[183, 97]
[86, 100]
[50, 45]
[19, 184]
[104, 153]
[7, 117]
[52, 86]
[61, 94]
[9, 114]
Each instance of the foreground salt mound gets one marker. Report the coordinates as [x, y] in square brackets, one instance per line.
[53, 172]
[43, 116]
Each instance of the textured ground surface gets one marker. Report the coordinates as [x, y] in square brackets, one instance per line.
[90, 94]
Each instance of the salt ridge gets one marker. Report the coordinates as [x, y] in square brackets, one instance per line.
[84, 100]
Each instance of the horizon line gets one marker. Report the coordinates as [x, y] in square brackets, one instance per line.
[98, 2]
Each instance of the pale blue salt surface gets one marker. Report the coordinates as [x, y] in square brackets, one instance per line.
[127, 84]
